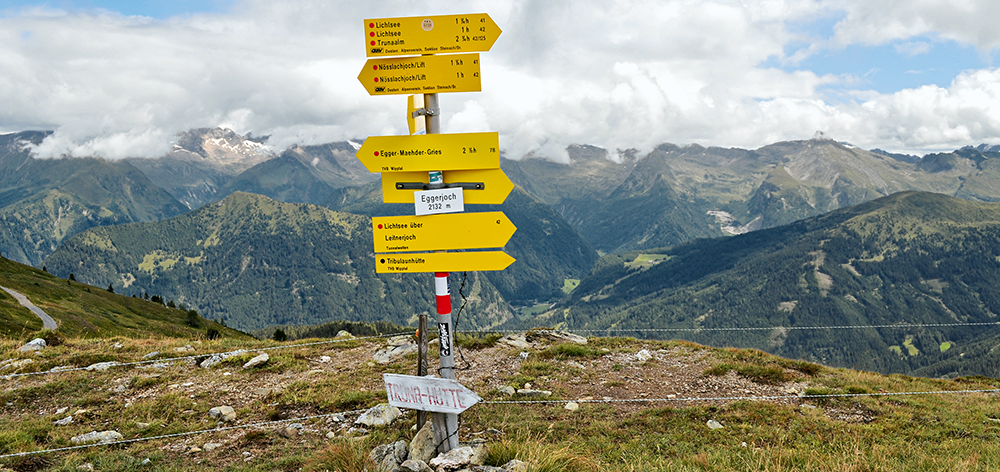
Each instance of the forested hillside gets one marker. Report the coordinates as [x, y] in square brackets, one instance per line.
[548, 250]
[255, 262]
[911, 258]
[44, 201]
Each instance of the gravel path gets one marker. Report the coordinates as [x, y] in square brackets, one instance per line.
[47, 321]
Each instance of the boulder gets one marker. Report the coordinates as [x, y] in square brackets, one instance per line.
[36, 344]
[379, 415]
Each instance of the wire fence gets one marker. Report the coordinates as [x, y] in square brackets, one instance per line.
[608, 332]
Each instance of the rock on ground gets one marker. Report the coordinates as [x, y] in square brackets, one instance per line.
[422, 446]
[256, 361]
[36, 344]
[223, 413]
[379, 415]
[103, 437]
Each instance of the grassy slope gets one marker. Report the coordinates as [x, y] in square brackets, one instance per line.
[85, 311]
[863, 433]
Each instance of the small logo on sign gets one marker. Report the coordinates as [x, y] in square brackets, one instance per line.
[427, 24]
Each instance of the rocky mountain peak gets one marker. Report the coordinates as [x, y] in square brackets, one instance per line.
[222, 146]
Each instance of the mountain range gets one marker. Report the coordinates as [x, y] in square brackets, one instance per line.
[135, 220]
[912, 258]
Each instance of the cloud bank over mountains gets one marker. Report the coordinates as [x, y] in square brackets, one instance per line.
[618, 74]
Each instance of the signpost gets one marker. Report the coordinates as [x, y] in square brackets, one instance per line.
[428, 394]
[439, 232]
[430, 35]
[429, 152]
[422, 74]
[441, 262]
[438, 174]
[483, 187]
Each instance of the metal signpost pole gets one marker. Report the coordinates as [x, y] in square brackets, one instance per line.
[446, 424]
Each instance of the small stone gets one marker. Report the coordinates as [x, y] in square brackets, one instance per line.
[87, 466]
[331, 435]
[523, 355]
[151, 355]
[572, 406]
[516, 341]
[643, 355]
[291, 431]
[515, 466]
[211, 446]
[146, 461]
[142, 425]
[101, 366]
[532, 393]
[712, 424]
[256, 361]
[211, 361]
[223, 413]
[379, 415]
[36, 344]
[186, 348]
[507, 390]
[103, 437]
[263, 391]
[394, 352]
[324, 359]
[343, 334]
[454, 459]
[62, 410]
[415, 466]
[194, 449]
[117, 346]
[63, 422]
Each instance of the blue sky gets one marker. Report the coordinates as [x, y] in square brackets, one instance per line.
[158, 9]
[120, 78]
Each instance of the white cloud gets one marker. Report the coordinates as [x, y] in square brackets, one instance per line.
[618, 74]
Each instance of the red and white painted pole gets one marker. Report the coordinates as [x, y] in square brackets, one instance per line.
[445, 424]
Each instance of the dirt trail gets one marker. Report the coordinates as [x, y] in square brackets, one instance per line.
[47, 321]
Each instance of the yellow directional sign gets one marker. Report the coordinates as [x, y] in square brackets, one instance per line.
[398, 187]
[430, 34]
[439, 232]
[416, 123]
[441, 262]
[427, 152]
[422, 74]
